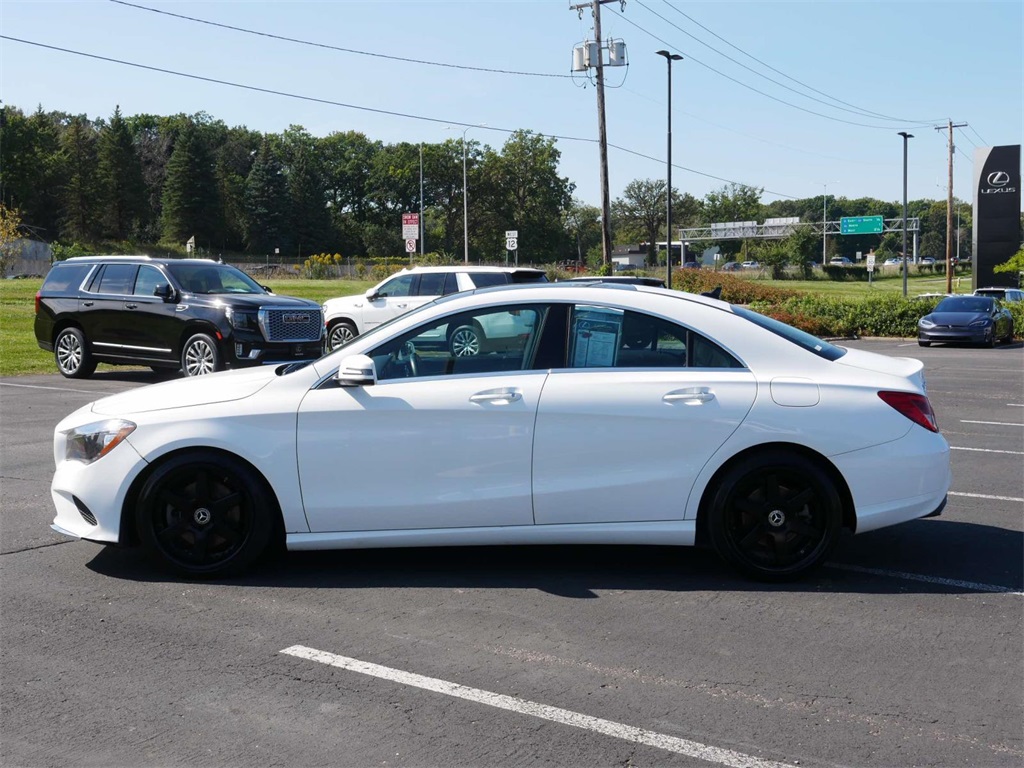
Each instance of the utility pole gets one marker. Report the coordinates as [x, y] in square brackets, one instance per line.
[949, 205]
[606, 206]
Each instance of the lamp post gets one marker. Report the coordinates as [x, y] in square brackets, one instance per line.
[465, 196]
[905, 136]
[824, 223]
[669, 58]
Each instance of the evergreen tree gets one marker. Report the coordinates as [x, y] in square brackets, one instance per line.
[310, 219]
[80, 192]
[123, 190]
[266, 203]
[191, 202]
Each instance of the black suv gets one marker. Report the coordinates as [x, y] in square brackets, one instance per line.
[196, 314]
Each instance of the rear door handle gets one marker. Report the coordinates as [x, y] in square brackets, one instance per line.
[690, 396]
[131, 306]
[87, 303]
[503, 396]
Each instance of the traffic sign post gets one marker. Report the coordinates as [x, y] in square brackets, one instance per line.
[861, 225]
[410, 227]
[512, 243]
[410, 245]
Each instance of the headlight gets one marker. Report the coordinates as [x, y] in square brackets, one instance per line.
[94, 441]
[926, 323]
[983, 323]
[242, 319]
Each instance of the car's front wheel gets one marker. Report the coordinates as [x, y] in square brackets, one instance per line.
[204, 515]
[341, 332]
[200, 356]
[465, 341]
[775, 516]
[71, 352]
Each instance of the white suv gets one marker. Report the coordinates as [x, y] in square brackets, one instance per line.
[349, 316]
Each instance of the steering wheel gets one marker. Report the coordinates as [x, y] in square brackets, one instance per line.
[406, 356]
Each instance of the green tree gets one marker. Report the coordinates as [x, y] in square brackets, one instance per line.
[639, 215]
[730, 203]
[10, 233]
[81, 191]
[120, 179]
[582, 224]
[266, 203]
[191, 202]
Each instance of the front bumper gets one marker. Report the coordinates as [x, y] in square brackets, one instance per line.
[953, 335]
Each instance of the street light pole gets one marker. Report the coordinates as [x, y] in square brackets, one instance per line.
[905, 136]
[669, 58]
[465, 195]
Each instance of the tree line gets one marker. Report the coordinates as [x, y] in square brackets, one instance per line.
[148, 179]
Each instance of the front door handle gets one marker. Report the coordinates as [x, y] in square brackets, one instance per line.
[87, 303]
[503, 396]
[690, 396]
[131, 306]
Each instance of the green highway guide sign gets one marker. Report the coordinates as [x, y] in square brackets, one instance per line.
[861, 225]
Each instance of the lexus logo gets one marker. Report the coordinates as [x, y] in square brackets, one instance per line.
[999, 178]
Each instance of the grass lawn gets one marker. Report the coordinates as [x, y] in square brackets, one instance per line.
[19, 354]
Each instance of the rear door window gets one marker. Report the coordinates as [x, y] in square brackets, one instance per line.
[116, 279]
[431, 284]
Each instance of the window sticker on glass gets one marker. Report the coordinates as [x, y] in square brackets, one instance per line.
[596, 333]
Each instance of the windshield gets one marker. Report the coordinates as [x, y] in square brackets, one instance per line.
[802, 339]
[965, 304]
[213, 278]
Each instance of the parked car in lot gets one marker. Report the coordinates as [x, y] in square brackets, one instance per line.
[894, 262]
[1003, 294]
[349, 316]
[708, 423]
[751, 265]
[196, 314]
[927, 260]
[840, 261]
[971, 319]
[620, 279]
[731, 266]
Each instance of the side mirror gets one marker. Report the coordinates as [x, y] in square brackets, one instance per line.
[356, 371]
[371, 294]
[164, 291]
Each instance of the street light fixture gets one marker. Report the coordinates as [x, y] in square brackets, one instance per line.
[465, 198]
[905, 136]
[669, 58]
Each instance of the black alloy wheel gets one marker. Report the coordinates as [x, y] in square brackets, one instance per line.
[775, 517]
[204, 515]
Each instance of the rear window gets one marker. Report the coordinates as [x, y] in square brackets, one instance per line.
[527, 276]
[65, 277]
[488, 279]
[802, 339]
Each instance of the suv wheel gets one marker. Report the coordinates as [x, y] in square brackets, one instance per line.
[341, 332]
[71, 352]
[200, 356]
[465, 341]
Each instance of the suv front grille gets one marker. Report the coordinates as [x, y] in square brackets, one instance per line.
[288, 325]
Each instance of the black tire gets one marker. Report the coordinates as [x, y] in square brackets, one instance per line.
[990, 342]
[465, 341]
[1009, 335]
[201, 356]
[340, 333]
[204, 515]
[72, 355]
[775, 517]
[923, 343]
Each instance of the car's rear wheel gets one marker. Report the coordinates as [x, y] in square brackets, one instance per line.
[775, 516]
[340, 333]
[204, 515]
[71, 352]
[465, 341]
[201, 356]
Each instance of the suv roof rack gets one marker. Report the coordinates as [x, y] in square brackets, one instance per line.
[109, 258]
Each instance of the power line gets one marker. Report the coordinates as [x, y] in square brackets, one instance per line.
[964, 134]
[863, 111]
[978, 135]
[695, 60]
[392, 113]
[335, 47]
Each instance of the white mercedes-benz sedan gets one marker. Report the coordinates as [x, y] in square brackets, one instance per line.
[618, 414]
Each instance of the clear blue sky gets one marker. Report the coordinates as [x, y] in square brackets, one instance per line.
[919, 62]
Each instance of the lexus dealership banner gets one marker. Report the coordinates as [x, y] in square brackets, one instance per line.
[997, 211]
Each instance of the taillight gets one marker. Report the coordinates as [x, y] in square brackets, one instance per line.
[917, 408]
[38, 297]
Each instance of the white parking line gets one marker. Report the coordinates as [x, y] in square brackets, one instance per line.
[996, 423]
[972, 585]
[543, 711]
[985, 450]
[56, 389]
[986, 496]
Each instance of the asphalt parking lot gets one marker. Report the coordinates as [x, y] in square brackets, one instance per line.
[907, 649]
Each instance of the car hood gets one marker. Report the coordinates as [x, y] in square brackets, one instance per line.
[200, 390]
[904, 367]
[257, 300]
[956, 318]
[356, 300]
